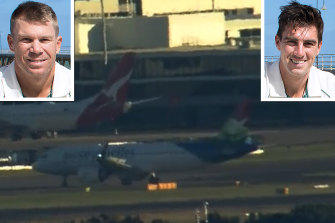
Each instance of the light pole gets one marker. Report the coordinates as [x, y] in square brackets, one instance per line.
[1, 41]
[323, 8]
[323, 5]
[104, 29]
[206, 211]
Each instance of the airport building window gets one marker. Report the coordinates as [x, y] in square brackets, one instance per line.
[250, 11]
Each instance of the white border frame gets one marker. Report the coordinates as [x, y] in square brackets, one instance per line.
[264, 99]
[72, 69]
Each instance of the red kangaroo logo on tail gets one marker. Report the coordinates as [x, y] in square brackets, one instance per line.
[108, 104]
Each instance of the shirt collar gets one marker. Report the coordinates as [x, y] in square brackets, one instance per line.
[60, 86]
[12, 87]
[313, 85]
[276, 84]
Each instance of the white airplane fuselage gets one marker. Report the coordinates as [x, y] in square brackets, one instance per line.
[135, 159]
[147, 157]
[107, 104]
[44, 116]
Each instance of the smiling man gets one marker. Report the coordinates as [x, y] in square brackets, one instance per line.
[299, 40]
[35, 41]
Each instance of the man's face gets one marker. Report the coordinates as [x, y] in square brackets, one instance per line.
[298, 48]
[35, 45]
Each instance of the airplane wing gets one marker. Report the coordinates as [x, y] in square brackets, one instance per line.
[111, 162]
[128, 105]
[145, 100]
[115, 162]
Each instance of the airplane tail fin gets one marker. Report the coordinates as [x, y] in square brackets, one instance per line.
[116, 87]
[109, 102]
[242, 111]
[234, 128]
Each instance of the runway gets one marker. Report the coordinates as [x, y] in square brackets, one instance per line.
[241, 204]
[289, 162]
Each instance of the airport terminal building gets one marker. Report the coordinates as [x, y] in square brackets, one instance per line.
[201, 57]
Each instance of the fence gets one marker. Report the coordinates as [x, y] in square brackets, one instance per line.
[322, 61]
[63, 59]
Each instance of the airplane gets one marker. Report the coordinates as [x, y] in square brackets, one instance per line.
[50, 117]
[132, 161]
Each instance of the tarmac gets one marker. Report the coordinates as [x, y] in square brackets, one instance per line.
[286, 172]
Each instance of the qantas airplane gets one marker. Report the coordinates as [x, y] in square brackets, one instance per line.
[37, 119]
[131, 161]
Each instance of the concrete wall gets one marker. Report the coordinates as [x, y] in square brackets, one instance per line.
[94, 7]
[203, 29]
[81, 30]
[122, 33]
[150, 7]
[137, 33]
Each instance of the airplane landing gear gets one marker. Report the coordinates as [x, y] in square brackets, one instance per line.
[153, 178]
[64, 182]
[51, 134]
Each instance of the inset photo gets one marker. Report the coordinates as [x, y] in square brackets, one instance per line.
[298, 53]
[36, 46]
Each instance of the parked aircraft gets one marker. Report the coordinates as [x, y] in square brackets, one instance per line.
[131, 161]
[36, 119]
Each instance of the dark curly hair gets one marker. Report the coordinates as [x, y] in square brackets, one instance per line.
[298, 15]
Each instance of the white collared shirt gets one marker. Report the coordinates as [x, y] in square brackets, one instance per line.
[321, 84]
[10, 87]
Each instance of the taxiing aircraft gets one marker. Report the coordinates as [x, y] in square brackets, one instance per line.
[108, 104]
[131, 161]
